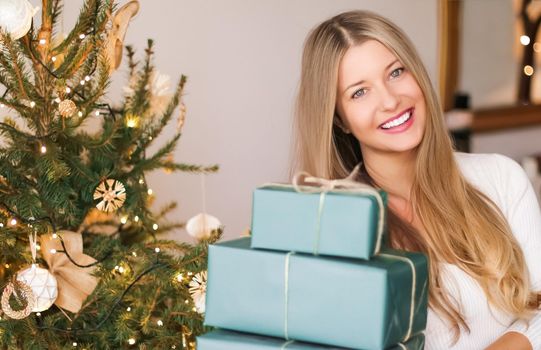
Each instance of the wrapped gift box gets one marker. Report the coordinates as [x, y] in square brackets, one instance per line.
[228, 340]
[333, 301]
[341, 224]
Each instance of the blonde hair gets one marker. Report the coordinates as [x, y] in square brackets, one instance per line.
[463, 226]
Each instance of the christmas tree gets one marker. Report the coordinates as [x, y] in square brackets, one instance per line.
[81, 261]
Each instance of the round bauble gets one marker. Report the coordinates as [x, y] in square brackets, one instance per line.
[16, 17]
[202, 225]
[43, 284]
[67, 108]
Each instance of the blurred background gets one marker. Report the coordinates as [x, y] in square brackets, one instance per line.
[242, 59]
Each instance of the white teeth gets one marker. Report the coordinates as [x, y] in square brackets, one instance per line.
[398, 121]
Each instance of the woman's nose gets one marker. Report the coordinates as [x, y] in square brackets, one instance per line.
[389, 99]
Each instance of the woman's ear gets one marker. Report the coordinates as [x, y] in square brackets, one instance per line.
[337, 120]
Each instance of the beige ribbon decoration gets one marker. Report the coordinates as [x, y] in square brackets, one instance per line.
[346, 185]
[75, 283]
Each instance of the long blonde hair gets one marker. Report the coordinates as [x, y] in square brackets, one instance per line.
[463, 226]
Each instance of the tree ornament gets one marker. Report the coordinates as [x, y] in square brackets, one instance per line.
[25, 293]
[202, 225]
[67, 108]
[112, 194]
[43, 284]
[16, 17]
[198, 290]
[115, 40]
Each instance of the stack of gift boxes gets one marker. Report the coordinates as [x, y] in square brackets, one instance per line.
[315, 274]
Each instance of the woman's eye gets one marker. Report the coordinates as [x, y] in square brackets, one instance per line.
[359, 93]
[397, 72]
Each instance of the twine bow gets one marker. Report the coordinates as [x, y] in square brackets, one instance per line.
[346, 185]
[75, 283]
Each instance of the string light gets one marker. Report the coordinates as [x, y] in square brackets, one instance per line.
[32, 104]
[155, 227]
[149, 191]
[97, 113]
[87, 78]
[528, 70]
[42, 41]
[82, 82]
[524, 40]
[2, 105]
[157, 249]
[68, 90]
[6, 266]
[132, 121]
[180, 277]
[38, 247]
[121, 269]
[82, 36]
[1, 224]
[74, 344]
[134, 254]
[38, 314]
[186, 301]
[53, 58]
[123, 220]
[128, 309]
[117, 267]
[136, 218]
[55, 236]
[141, 181]
[13, 222]
[43, 149]
[160, 323]
[150, 138]
[57, 100]
[53, 251]
[131, 341]
[80, 114]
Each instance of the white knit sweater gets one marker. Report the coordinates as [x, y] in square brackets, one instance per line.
[504, 182]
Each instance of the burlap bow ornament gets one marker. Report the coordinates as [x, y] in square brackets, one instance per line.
[75, 283]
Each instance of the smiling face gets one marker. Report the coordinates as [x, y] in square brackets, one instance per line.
[379, 100]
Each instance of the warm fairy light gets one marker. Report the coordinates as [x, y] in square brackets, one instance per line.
[13, 222]
[82, 82]
[132, 121]
[32, 104]
[131, 341]
[150, 138]
[117, 267]
[149, 191]
[55, 236]
[186, 301]
[42, 41]
[53, 251]
[134, 254]
[57, 100]
[68, 90]
[180, 277]
[53, 58]
[123, 220]
[1, 224]
[155, 227]
[97, 113]
[157, 249]
[2, 105]
[136, 218]
[82, 36]
[87, 78]
[80, 114]
[6, 266]
[43, 149]
[74, 344]
[121, 269]
[141, 181]
[38, 314]
[194, 309]
[528, 70]
[128, 309]
[524, 40]
[38, 247]
[160, 323]
[190, 273]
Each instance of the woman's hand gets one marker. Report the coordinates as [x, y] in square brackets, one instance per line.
[511, 341]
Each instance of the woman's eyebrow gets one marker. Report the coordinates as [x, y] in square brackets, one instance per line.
[362, 81]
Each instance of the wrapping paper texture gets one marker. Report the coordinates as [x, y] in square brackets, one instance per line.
[333, 301]
[228, 340]
[286, 220]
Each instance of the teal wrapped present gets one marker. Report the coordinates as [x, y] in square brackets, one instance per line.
[228, 340]
[340, 222]
[333, 301]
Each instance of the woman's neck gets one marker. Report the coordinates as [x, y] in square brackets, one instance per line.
[393, 172]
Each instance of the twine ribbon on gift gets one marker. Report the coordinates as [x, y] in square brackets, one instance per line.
[346, 185]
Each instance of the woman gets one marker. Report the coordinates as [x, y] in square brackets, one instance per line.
[366, 97]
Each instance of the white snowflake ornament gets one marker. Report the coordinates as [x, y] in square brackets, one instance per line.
[198, 291]
[16, 17]
[43, 284]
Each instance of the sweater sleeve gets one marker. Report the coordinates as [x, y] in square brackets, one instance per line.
[524, 217]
